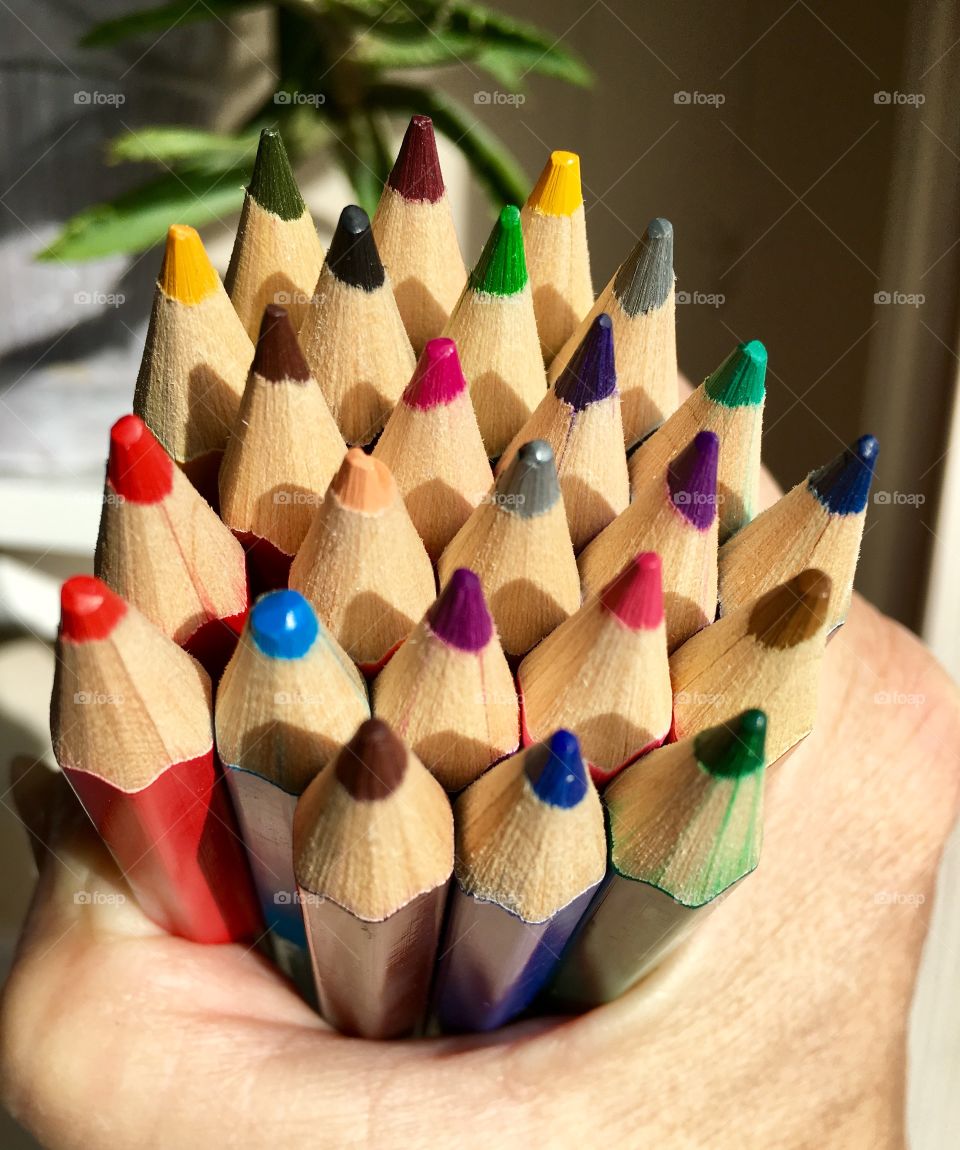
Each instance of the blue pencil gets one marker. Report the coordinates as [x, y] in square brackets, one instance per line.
[531, 850]
[288, 698]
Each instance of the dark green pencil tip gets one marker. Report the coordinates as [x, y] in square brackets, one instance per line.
[739, 380]
[272, 184]
[502, 268]
[734, 748]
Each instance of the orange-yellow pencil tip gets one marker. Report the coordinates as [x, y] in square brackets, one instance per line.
[558, 192]
[364, 483]
[187, 274]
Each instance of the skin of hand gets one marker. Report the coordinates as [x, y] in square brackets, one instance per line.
[782, 1024]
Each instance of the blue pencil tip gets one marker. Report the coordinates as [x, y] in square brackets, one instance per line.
[283, 625]
[556, 771]
[843, 486]
[591, 374]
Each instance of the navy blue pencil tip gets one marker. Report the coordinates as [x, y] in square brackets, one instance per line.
[283, 625]
[843, 486]
[556, 770]
[591, 374]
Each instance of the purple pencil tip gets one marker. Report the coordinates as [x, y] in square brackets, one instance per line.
[692, 480]
[459, 616]
[590, 374]
[438, 378]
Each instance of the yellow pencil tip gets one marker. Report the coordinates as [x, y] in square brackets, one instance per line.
[558, 190]
[187, 274]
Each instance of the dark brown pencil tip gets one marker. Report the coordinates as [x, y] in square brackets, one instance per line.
[278, 355]
[372, 765]
[792, 612]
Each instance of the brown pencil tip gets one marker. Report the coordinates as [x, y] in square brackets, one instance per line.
[792, 612]
[372, 765]
[278, 356]
[364, 483]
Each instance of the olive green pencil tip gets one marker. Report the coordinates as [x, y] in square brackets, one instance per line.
[502, 267]
[735, 748]
[272, 184]
[739, 380]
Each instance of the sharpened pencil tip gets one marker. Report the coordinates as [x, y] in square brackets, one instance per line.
[278, 357]
[89, 610]
[187, 275]
[460, 616]
[416, 174]
[635, 596]
[272, 184]
[692, 480]
[138, 468]
[645, 277]
[843, 485]
[739, 380]
[557, 192]
[364, 483]
[591, 374]
[352, 256]
[502, 267]
[529, 486]
[734, 748]
[792, 612]
[438, 377]
[373, 763]
[556, 771]
[283, 625]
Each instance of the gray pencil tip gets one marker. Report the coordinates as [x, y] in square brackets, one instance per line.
[646, 275]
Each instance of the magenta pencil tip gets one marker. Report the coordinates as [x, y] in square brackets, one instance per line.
[460, 616]
[438, 377]
[635, 596]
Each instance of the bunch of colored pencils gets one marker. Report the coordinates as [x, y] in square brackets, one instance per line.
[402, 656]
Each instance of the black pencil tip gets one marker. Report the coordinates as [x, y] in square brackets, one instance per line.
[353, 257]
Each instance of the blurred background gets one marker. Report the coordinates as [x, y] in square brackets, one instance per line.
[807, 153]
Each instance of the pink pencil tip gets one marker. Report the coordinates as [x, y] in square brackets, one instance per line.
[635, 596]
[438, 378]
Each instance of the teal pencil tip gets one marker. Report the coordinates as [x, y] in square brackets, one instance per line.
[502, 267]
[734, 748]
[740, 380]
[272, 184]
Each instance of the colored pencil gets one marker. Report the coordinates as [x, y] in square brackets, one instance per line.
[413, 226]
[675, 514]
[531, 850]
[362, 564]
[195, 362]
[555, 239]
[641, 302]
[133, 732]
[685, 826]
[495, 331]
[289, 699]
[353, 337]
[604, 673]
[448, 691]
[277, 254]
[162, 547]
[817, 524]
[518, 542]
[373, 854]
[580, 419]
[433, 447]
[730, 403]
[766, 654]
[284, 450]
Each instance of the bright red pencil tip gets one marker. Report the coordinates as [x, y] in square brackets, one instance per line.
[89, 610]
[635, 596]
[438, 377]
[139, 469]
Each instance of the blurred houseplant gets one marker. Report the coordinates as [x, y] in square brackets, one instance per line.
[344, 67]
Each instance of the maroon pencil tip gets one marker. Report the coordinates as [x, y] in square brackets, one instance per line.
[372, 764]
[416, 174]
[278, 355]
[692, 480]
[438, 377]
[460, 616]
[635, 596]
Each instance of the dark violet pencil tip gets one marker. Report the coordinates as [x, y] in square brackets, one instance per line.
[272, 184]
[460, 616]
[353, 257]
[692, 480]
[438, 377]
[416, 174]
[843, 486]
[283, 625]
[278, 355]
[529, 486]
[556, 771]
[646, 275]
[590, 374]
[372, 765]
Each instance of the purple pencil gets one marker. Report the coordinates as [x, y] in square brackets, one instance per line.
[530, 851]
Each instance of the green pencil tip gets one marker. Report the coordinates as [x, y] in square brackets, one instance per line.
[739, 380]
[273, 185]
[735, 748]
[502, 268]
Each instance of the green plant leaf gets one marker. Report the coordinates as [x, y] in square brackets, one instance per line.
[140, 218]
[149, 21]
[175, 146]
